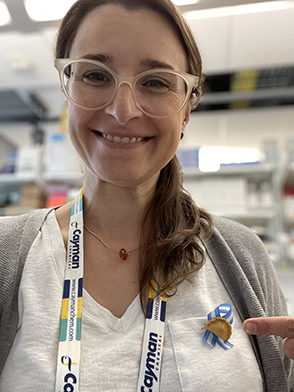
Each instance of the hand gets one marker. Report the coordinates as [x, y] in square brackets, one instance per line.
[279, 326]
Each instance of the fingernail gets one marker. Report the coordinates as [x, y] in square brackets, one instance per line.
[285, 347]
[251, 328]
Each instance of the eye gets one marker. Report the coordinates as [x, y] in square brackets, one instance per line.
[96, 77]
[155, 82]
[67, 71]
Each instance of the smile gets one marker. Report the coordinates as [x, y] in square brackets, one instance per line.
[124, 140]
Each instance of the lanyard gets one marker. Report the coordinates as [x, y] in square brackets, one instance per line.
[151, 354]
[69, 348]
[68, 359]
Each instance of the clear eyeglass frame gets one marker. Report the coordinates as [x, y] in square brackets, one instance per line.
[191, 81]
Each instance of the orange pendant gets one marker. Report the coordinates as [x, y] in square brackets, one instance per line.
[123, 254]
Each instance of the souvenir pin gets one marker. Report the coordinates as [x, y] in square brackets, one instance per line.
[218, 327]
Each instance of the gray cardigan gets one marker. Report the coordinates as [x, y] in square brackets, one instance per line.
[237, 254]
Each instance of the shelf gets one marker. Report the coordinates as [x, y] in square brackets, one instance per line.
[68, 178]
[247, 215]
[17, 179]
[258, 94]
[249, 169]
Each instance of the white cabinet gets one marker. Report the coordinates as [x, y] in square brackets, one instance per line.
[250, 194]
[288, 211]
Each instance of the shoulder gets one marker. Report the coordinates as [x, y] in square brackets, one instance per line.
[239, 238]
[237, 248]
[16, 237]
[13, 227]
[230, 229]
[18, 233]
[241, 259]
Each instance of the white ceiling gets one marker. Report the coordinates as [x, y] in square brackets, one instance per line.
[227, 43]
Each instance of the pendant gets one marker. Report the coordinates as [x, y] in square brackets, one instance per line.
[123, 254]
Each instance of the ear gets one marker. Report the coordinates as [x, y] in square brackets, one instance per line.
[186, 118]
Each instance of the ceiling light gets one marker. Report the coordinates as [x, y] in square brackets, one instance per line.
[239, 9]
[5, 17]
[185, 2]
[43, 10]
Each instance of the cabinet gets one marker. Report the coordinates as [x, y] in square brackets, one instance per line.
[288, 212]
[14, 198]
[18, 191]
[12, 188]
[249, 193]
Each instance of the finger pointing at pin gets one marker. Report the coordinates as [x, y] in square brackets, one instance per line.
[278, 326]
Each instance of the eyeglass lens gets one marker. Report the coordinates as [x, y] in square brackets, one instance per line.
[91, 86]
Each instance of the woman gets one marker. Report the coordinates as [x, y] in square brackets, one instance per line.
[131, 72]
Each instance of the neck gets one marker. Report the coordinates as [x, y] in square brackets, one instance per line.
[115, 212]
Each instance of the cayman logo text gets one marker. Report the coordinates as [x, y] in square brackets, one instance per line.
[152, 369]
[74, 252]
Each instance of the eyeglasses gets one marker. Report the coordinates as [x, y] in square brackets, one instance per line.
[91, 85]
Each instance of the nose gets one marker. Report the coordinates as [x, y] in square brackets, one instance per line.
[123, 107]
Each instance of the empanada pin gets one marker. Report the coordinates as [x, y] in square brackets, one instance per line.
[220, 327]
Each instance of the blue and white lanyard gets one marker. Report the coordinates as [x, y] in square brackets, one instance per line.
[69, 348]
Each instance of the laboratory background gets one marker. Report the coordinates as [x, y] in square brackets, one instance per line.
[238, 150]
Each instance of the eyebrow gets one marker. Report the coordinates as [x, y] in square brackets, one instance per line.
[103, 58]
[152, 63]
[149, 62]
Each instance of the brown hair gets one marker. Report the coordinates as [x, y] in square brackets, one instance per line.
[173, 224]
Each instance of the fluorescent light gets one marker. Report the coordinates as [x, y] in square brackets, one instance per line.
[43, 10]
[239, 9]
[211, 158]
[5, 17]
[185, 2]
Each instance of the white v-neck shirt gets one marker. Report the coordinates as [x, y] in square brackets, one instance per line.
[111, 346]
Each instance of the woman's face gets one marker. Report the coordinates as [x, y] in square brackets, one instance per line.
[129, 42]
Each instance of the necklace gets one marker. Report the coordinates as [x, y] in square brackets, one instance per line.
[123, 253]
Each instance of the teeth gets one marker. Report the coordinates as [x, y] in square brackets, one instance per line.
[125, 140]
